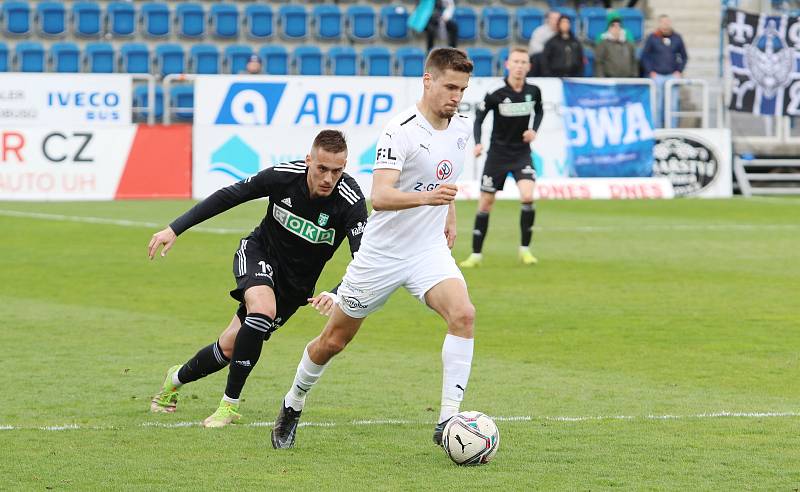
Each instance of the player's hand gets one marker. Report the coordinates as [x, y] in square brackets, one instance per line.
[323, 302]
[442, 195]
[478, 150]
[450, 234]
[528, 136]
[166, 237]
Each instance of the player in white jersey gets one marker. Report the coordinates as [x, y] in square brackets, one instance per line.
[407, 240]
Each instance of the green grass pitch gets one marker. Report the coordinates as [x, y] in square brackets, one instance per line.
[656, 346]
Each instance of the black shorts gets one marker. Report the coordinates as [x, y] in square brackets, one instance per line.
[252, 266]
[497, 168]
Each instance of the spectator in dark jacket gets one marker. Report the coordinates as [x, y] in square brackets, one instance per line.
[615, 56]
[664, 57]
[563, 54]
[441, 24]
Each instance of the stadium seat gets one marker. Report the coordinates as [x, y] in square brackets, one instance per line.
[410, 61]
[169, 59]
[593, 22]
[3, 58]
[30, 57]
[65, 58]
[135, 58]
[528, 19]
[181, 100]
[16, 18]
[308, 60]
[236, 57]
[292, 21]
[275, 59]
[588, 65]
[467, 21]
[140, 101]
[500, 61]
[120, 19]
[327, 21]
[258, 21]
[573, 17]
[191, 19]
[483, 61]
[361, 22]
[633, 22]
[204, 59]
[86, 19]
[224, 20]
[394, 22]
[514, 3]
[99, 57]
[155, 19]
[495, 21]
[342, 60]
[51, 18]
[376, 61]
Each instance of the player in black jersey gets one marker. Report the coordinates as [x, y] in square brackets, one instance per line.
[313, 206]
[518, 113]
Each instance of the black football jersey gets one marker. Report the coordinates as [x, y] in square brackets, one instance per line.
[514, 112]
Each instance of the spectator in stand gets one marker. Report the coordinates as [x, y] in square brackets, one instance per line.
[540, 36]
[610, 16]
[607, 3]
[253, 66]
[441, 24]
[663, 58]
[563, 54]
[615, 56]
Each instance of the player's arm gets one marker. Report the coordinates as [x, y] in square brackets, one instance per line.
[538, 114]
[481, 111]
[450, 225]
[386, 197]
[221, 200]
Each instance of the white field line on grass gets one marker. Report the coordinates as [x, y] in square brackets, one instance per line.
[517, 418]
[222, 230]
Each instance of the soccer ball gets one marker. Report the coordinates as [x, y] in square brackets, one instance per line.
[470, 438]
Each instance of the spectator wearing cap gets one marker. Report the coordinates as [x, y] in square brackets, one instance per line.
[563, 54]
[663, 58]
[615, 56]
[253, 66]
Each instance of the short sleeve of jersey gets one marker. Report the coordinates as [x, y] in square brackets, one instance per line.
[391, 150]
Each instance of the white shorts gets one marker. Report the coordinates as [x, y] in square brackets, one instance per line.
[371, 279]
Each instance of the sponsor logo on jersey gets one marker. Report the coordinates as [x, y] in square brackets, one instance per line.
[323, 219]
[302, 227]
[511, 110]
[358, 229]
[444, 169]
[353, 303]
[288, 202]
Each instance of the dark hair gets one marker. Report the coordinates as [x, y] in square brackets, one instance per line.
[442, 59]
[615, 20]
[332, 141]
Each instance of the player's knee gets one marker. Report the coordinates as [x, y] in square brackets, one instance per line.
[463, 320]
[262, 308]
[331, 345]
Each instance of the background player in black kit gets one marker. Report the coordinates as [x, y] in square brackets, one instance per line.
[313, 206]
[518, 113]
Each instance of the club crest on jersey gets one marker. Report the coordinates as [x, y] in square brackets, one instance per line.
[444, 169]
[323, 219]
[302, 227]
[461, 143]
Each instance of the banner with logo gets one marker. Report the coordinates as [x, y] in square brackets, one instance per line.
[696, 161]
[608, 129]
[765, 62]
[47, 99]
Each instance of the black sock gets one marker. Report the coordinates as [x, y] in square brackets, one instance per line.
[479, 233]
[246, 351]
[207, 360]
[526, 219]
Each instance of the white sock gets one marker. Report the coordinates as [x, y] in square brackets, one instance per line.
[232, 401]
[175, 381]
[456, 363]
[307, 374]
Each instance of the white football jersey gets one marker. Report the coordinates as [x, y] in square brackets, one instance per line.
[426, 158]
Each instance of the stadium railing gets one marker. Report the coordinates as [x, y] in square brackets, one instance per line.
[702, 113]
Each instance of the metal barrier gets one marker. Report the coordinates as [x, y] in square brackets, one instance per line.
[703, 113]
[745, 178]
[151, 97]
[167, 83]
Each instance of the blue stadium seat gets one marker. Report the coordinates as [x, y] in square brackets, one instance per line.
[30, 57]
[181, 99]
[169, 59]
[483, 61]
[308, 60]
[633, 22]
[394, 22]
[588, 66]
[258, 21]
[224, 20]
[51, 18]
[65, 58]
[342, 60]
[495, 21]
[275, 59]
[376, 61]
[327, 21]
[99, 57]
[16, 18]
[86, 19]
[3, 58]
[593, 21]
[140, 101]
[155, 19]
[121, 19]
[573, 17]
[191, 19]
[528, 19]
[292, 21]
[500, 61]
[236, 57]
[361, 22]
[204, 59]
[467, 21]
[135, 58]
[410, 61]
[515, 2]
